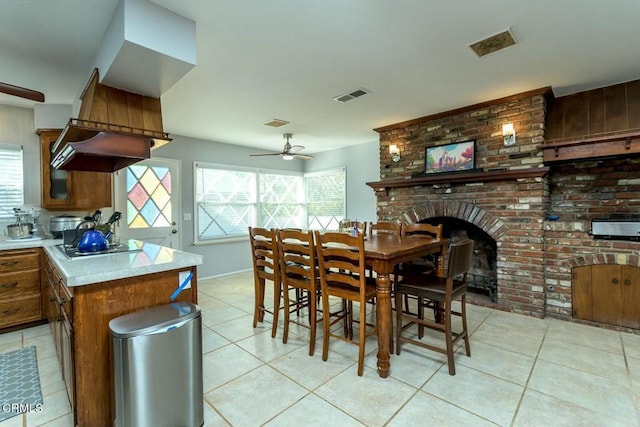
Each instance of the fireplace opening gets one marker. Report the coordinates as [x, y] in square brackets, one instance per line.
[483, 277]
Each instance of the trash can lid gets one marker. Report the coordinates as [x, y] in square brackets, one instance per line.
[152, 319]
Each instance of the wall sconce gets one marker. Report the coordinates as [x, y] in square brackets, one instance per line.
[509, 134]
[395, 153]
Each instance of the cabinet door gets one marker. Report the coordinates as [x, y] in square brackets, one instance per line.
[581, 293]
[630, 296]
[606, 293]
[67, 359]
[63, 190]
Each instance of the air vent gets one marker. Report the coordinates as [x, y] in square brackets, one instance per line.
[493, 43]
[276, 123]
[351, 95]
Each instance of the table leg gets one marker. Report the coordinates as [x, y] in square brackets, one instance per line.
[384, 322]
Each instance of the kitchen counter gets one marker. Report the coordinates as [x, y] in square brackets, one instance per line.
[95, 269]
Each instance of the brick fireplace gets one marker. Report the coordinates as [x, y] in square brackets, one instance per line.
[514, 198]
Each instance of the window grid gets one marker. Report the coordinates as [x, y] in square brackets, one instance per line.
[11, 184]
[230, 199]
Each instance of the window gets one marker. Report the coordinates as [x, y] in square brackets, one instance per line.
[326, 198]
[11, 184]
[230, 199]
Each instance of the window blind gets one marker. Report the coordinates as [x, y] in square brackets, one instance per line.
[11, 180]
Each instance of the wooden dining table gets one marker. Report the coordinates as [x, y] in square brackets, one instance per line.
[382, 253]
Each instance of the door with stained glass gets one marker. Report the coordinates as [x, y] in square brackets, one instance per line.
[147, 196]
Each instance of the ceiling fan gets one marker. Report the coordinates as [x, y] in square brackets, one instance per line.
[289, 151]
[21, 92]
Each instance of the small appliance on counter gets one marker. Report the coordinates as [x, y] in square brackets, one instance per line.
[26, 226]
[58, 224]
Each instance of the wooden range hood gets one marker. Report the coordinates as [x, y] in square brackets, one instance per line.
[114, 129]
[597, 124]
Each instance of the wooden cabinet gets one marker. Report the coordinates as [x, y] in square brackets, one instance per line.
[607, 293]
[70, 190]
[79, 318]
[59, 312]
[20, 296]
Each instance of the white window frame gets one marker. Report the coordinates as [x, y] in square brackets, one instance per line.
[257, 220]
[17, 179]
[332, 171]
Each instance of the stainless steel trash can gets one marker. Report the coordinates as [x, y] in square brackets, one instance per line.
[157, 369]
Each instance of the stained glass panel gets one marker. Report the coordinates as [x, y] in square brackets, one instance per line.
[148, 196]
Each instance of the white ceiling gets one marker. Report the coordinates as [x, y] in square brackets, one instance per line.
[286, 59]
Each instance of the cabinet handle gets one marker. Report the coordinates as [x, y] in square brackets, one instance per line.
[627, 282]
[614, 281]
[8, 263]
[9, 285]
[8, 312]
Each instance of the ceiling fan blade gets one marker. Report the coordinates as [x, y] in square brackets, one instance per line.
[21, 92]
[302, 156]
[268, 154]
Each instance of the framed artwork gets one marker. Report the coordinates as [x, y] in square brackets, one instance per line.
[454, 157]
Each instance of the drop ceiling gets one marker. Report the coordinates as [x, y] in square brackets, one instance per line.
[259, 60]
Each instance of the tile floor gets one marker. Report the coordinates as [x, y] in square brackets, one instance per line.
[522, 372]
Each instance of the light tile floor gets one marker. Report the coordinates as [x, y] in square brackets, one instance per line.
[522, 372]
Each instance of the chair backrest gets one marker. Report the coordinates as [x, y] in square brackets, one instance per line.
[384, 228]
[460, 259]
[297, 256]
[341, 260]
[423, 229]
[348, 226]
[264, 253]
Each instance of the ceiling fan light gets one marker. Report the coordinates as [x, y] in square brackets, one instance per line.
[287, 157]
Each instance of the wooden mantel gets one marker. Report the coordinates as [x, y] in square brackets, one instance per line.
[618, 144]
[460, 177]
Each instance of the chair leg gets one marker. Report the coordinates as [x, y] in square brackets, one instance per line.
[448, 337]
[398, 320]
[350, 318]
[463, 313]
[421, 317]
[326, 315]
[363, 335]
[287, 314]
[313, 313]
[258, 305]
[277, 290]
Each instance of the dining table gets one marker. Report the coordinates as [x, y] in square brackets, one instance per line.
[382, 253]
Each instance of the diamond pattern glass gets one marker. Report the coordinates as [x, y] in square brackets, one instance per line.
[148, 196]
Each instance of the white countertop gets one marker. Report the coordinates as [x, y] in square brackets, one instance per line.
[93, 269]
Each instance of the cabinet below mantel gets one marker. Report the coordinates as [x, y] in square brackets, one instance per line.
[460, 178]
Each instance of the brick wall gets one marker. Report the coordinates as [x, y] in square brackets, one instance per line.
[511, 211]
[535, 256]
[580, 193]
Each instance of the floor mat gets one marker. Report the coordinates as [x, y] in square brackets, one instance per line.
[19, 383]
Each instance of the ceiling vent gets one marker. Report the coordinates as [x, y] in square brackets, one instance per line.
[493, 43]
[351, 95]
[276, 123]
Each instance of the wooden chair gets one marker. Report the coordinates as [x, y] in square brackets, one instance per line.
[299, 272]
[440, 291]
[266, 266]
[384, 227]
[341, 262]
[348, 226]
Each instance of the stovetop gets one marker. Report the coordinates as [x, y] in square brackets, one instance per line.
[72, 252]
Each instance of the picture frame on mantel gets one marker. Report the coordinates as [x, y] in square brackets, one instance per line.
[453, 157]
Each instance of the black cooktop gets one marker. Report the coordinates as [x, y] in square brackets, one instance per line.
[72, 252]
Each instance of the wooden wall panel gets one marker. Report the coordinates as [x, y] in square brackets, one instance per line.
[615, 107]
[576, 113]
[633, 104]
[596, 111]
